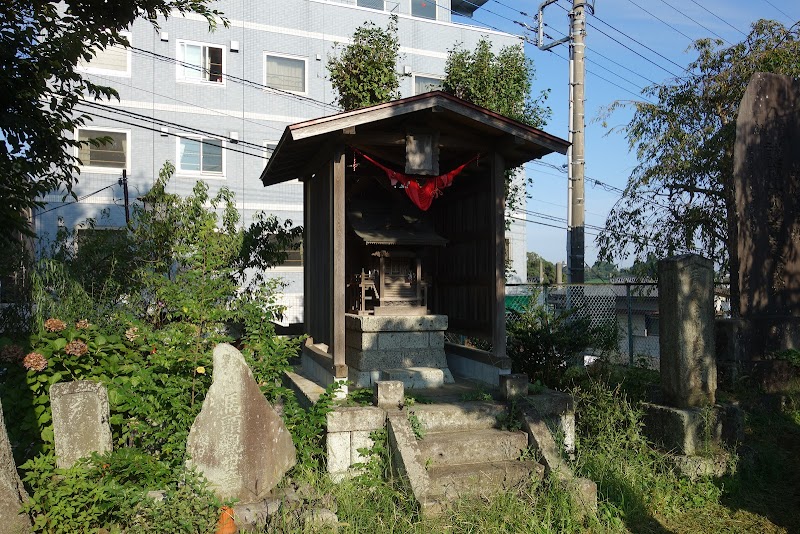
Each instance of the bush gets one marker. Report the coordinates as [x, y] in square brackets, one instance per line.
[543, 343]
[111, 491]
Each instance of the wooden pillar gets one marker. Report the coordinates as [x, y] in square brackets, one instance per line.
[498, 291]
[309, 247]
[337, 264]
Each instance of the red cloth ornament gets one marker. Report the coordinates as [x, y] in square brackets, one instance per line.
[421, 195]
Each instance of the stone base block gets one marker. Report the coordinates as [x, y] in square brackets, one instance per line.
[388, 394]
[717, 465]
[514, 386]
[419, 377]
[368, 360]
[690, 431]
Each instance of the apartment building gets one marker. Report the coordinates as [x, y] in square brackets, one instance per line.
[215, 103]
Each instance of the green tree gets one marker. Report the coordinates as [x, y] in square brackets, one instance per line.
[40, 45]
[365, 72]
[681, 194]
[500, 82]
[549, 269]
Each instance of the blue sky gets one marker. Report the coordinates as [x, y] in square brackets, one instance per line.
[607, 156]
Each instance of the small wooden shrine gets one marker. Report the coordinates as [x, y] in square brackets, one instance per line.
[404, 208]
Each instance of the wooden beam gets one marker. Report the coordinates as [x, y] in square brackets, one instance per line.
[498, 301]
[337, 263]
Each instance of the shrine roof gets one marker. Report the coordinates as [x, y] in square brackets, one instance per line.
[465, 129]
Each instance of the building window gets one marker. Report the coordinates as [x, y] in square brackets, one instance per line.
[102, 149]
[201, 155]
[200, 62]
[285, 73]
[372, 4]
[425, 9]
[294, 257]
[112, 61]
[425, 84]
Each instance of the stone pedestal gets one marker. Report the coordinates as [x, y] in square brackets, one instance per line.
[348, 430]
[396, 347]
[80, 420]
[686, 331]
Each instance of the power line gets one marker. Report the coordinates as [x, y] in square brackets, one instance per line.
[628, 47]
[618, 86]
[161, 57]
[695, 21]
[115, 119]
[780, 10]
[701, 6]
[691, 39]
[216, 111]
[79, 199]
[634, 40]
[154, 120]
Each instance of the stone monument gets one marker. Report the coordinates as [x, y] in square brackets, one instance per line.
[767, 184]
[80, 420]
[238, 441]
[686, 331]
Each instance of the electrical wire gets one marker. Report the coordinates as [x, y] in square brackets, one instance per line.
[76, 201]
[691, 39]
[154, 120]
[193, 104]
[709, 30]
[224, 147]
[704, 8]
[780, 11]
[628, 47]
[237, 79]
[638, 96]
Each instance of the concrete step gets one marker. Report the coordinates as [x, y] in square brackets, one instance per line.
[453, 481]
[468, 415]
[419, 377]
[471, 447]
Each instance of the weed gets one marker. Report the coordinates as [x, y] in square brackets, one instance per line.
[416, 425]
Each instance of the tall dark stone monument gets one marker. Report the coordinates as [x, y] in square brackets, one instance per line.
[767, 182]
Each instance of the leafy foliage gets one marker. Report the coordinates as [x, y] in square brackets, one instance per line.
[110, 490]
[500, 82]
[543, 343]
[680, 196]
[548, 268]
[365, 72]
[42, 43]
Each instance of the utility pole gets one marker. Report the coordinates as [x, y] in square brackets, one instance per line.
[124, 183]
[576, 158]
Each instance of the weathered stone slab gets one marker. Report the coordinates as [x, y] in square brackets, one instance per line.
[373, 360]
[238, 441]
[12, 493]
[767, 186]
[691, 431]
[350, 418]
[419, 377]
[395, 323]
[80, 420]
[686, 331]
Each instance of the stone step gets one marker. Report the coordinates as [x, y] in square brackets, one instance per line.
[419, 377]
[467, 415]
[453, 481]
[471, 447]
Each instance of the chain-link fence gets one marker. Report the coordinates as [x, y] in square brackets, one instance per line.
[623, 315]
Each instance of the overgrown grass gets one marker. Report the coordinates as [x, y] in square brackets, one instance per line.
[638, 489]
